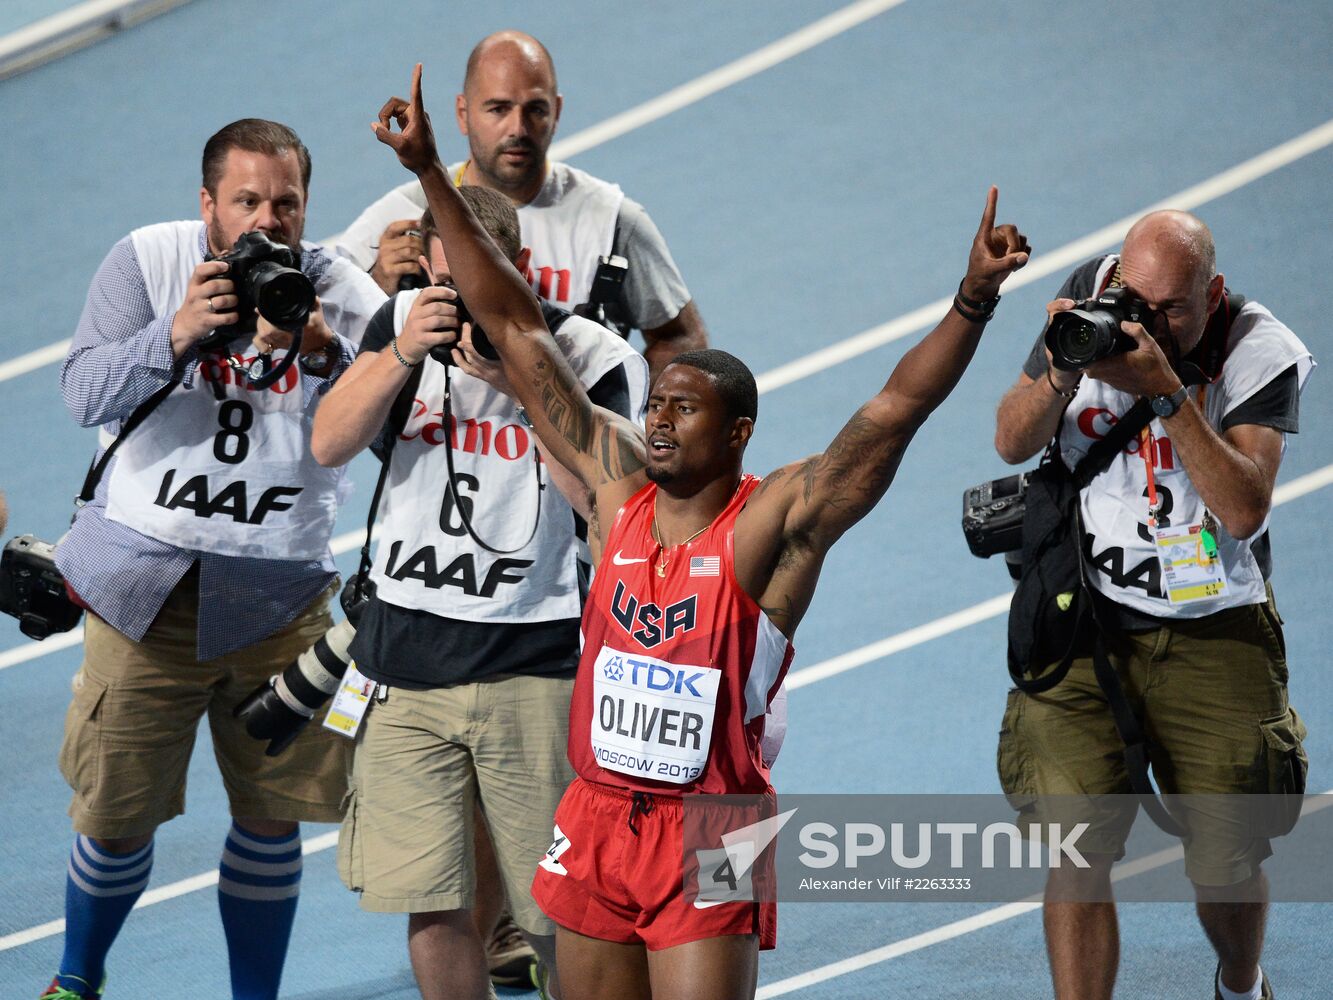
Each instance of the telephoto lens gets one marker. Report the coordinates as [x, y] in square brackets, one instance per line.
[279, 708]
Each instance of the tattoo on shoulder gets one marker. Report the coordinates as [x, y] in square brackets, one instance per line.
[768, 482]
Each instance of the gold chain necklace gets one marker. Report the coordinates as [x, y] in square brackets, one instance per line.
[661, 549]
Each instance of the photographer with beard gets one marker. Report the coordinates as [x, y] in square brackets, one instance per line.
[1174, 539]
[203, 556]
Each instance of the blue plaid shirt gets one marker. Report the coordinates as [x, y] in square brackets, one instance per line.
[120, 356]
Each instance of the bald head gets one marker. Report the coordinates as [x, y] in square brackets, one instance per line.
[511, 47]
[1170, 262]
[1174, 235]
[509, 109]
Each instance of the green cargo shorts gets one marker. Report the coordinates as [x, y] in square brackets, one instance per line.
[1211, 693]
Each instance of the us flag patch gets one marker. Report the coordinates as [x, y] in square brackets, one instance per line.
[705, 565]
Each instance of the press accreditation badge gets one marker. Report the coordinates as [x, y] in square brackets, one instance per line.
[1192, 571]
[651, 718]
[349, 704]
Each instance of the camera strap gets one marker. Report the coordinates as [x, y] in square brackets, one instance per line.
[399, 413]
[140, 414]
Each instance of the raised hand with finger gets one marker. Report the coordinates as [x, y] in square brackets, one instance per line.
[415, 141]
[997, 252]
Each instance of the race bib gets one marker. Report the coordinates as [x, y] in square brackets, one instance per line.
[1191, 568]
[652, 719]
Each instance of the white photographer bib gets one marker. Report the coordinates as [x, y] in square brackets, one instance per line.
[570, 223]
[233, 476]
[567, 226]
[424, 557]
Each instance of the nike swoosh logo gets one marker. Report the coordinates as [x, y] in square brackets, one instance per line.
[703, 904]
[626, 562]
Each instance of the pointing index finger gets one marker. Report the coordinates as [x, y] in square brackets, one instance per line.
[988, 215]
[416, 88]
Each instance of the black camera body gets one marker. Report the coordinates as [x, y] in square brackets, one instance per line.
[444, 353]
[32, 589]
[604, 295]
[267, 277]
[993, 515]
[1091, 330]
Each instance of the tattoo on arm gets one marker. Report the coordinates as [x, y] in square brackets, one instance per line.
[857, 467]
[571, 416]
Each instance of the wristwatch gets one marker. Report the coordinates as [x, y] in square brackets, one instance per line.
[1167, 406]
[317, 362]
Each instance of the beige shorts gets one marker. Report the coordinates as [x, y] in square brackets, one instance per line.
[1212, 695]
[130, 729]
[424, 760]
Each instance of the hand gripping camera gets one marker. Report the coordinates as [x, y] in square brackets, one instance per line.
[444, 353]
[1091, 330]
[279, 708]
[32, 589]
[268, 278]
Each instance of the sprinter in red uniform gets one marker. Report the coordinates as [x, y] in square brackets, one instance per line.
[703, 574]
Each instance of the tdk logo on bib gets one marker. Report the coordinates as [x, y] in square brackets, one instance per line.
[657, 676]
[651, 718]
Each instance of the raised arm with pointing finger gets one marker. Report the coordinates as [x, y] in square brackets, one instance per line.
[710, 572]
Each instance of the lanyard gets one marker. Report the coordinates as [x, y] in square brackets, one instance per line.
[1148, 448]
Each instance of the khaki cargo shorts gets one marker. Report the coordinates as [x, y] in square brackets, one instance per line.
[130, 729]
[1212, 696]
[424, 761]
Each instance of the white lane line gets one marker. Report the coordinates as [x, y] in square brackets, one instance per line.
[978, 921]
[800, 678]
[695, 90]
[1057, 260]
[801, 40]
[72, 29]
[988, 608]
[33, 360]
[181, 888]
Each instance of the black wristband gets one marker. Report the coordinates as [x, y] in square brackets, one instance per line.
[986, 306]
[972, 317]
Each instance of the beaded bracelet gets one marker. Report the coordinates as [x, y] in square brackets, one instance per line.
[399, 355]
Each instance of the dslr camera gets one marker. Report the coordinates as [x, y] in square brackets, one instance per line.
[1091, 330]
[268, 278]
[993, 515]
[603, 305]
[281, 707]
[444, 353]
[32, 589]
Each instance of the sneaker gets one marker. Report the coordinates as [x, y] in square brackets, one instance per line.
[509, 957]
[1265, 990]
[57, 992]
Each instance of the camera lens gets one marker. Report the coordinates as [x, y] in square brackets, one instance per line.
[283, 295]
[1079, 337]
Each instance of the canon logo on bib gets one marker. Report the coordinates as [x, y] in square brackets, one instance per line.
[479, 437]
